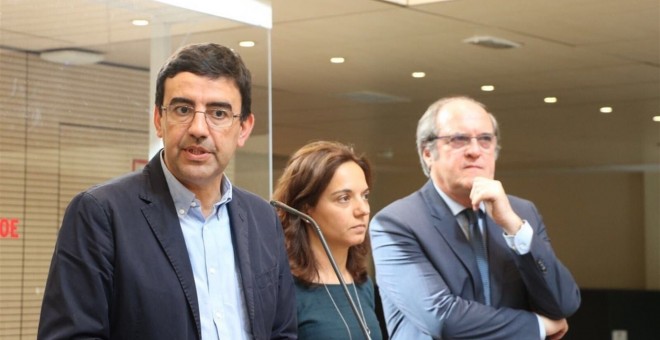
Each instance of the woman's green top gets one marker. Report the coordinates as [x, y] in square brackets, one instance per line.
[319, 319]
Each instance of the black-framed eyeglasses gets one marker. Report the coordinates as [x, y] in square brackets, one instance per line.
[458, 141]
[216, 116]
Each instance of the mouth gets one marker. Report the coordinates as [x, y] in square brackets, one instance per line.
[195, 150]
[196, 153]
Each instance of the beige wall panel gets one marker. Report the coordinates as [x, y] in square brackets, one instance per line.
[595, 222]
[72, 128]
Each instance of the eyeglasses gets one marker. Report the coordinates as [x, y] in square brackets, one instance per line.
[458, 141]
[216, 116]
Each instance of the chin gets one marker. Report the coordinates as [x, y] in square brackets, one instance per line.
[354, 241]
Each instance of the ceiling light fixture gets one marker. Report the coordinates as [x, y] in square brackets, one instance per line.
[656, 119]
[337, 60]
[140, 22]
[418, 74]
[550, 100]
[72, 56]
[606, 109]
[253, 12]
[372, 97]
[488, 88]
[246, 43]
[386, 154]
[413, 2]
[491, 42]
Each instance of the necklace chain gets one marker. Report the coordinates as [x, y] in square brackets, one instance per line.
[350, 336]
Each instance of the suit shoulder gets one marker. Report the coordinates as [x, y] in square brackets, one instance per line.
[116, 187]
[519, 202]
[253, 203]
[249, 197]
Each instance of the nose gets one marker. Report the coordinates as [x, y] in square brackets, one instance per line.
[473, 148]
[199, 127]
[362, 207]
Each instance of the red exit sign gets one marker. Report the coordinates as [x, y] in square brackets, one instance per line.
[9, 227]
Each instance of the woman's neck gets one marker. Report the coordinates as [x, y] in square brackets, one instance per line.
[326, 271]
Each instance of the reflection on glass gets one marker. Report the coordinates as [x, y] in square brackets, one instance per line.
[77, 109]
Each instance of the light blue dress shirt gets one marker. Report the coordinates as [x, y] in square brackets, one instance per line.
[208, 240]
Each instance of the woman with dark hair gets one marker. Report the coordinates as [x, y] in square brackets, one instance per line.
[330, 183]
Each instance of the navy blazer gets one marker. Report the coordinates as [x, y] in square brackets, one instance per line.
[429, 283]
[121, 269]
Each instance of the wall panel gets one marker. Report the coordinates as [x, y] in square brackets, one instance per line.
[63, 129]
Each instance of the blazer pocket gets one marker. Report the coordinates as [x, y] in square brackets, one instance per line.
[267, 278]
[266, 292]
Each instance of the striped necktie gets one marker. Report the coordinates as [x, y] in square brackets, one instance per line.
[479, 247]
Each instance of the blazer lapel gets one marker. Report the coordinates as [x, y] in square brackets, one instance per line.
[241, 239]
[447, 225]
[498, 253]
[160, 214]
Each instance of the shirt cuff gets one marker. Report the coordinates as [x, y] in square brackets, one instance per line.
[541, 327]
[522, 240]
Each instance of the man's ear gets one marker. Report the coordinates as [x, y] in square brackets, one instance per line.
[157, 118]
[426, 155]
[245, 129]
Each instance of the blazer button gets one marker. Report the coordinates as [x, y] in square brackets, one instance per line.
[541, 266]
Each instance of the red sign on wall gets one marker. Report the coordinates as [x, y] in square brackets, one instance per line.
[9, 228]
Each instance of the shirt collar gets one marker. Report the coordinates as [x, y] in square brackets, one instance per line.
[455, 207]
[183, 198]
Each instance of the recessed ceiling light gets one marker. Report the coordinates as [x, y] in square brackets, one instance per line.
[246, 43]
[337, 60]
[418, 74]
[656, 119]
[487, 88]
[606, 109]
[550, 100]
[140, 22]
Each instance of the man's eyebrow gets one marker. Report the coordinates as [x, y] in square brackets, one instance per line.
[220, 104]
[179, 100]
[184, 100]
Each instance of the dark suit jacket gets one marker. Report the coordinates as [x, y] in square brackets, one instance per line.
[121, 270]
[429, 283]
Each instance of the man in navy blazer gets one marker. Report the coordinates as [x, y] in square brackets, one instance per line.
[175, 251]
[426, 268]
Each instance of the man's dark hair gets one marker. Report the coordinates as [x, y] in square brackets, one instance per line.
[208, 60]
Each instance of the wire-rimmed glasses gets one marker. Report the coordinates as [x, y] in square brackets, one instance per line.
[217, 117]
[458, 141]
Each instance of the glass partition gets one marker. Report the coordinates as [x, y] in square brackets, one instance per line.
[77, 82]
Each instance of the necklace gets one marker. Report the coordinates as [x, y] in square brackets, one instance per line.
[350, 336]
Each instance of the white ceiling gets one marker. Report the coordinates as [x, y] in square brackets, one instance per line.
[587, 53]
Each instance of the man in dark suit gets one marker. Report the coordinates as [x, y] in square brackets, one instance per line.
[175, 251]
[459, 258]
